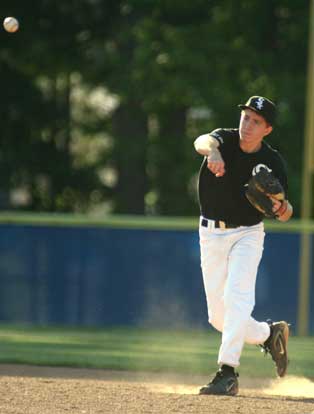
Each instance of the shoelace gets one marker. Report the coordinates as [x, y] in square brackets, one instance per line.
[218, 375]
[266, 345]
[265, 349]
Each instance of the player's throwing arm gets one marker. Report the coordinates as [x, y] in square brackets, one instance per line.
[208, 146]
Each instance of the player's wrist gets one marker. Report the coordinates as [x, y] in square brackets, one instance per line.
[282, 209]
[214, 155]
[285, 211]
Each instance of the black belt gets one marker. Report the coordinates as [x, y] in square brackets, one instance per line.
[219, 224]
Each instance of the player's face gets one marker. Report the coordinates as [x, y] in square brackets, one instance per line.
[253, 127]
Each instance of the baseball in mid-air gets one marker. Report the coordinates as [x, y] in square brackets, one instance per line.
[11, 24]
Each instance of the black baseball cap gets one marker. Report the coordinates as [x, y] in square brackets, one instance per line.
[262, 106]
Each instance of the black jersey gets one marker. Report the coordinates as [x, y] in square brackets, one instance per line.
[223, 198]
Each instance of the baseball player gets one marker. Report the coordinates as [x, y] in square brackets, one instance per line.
[232, 236]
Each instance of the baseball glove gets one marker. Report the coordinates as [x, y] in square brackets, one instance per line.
[262, 187]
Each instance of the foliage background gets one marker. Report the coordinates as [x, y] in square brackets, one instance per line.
[102, 99]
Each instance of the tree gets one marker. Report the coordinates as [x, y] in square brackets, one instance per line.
[176, 69]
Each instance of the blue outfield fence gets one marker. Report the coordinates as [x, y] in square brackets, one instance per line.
[100, 276]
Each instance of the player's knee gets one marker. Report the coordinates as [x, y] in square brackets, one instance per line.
[244, 302]
[215, 317]
[217, 324]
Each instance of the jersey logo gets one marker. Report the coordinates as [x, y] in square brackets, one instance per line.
[260, 103]
[259, 167]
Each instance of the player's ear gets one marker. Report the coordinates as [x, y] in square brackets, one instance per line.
[268, 129]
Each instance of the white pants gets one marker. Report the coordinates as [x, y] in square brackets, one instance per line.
[229, 261]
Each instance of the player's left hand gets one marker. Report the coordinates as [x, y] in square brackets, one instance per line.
[283, 210]
[265, 192]
[276, 204]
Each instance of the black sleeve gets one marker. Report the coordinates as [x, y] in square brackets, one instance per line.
[218, 135]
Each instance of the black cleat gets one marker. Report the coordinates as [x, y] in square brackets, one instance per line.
[277, 344]
[224, 383]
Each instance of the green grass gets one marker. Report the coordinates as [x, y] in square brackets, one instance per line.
[133, 221]
[180, 351]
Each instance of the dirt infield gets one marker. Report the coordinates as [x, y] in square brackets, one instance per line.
[43, 390]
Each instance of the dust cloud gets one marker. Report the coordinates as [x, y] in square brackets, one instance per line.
[291, 386]
[174, 389]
